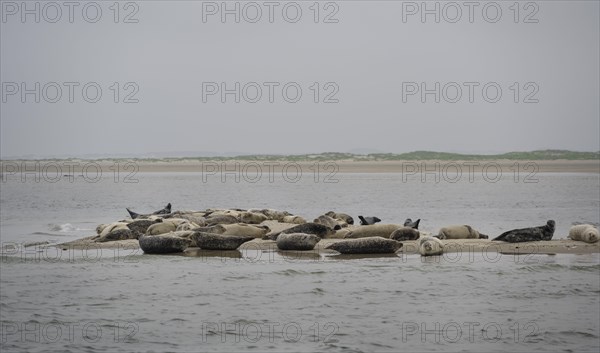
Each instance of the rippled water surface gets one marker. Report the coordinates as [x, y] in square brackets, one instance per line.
[122, 300]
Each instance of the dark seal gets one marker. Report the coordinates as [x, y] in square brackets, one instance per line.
[405, 233]
[409, 223]
[366, 221]
[212, 241]
[372, 245]
[165, 210]
[529, 234]
[156, 244]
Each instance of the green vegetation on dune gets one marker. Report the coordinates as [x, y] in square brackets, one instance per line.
[410, 156]
[374, 157]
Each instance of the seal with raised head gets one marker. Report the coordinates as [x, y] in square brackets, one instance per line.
[584, 232]
[165, 210]
[373, 245]
[297, 241]
[429, 246]
[162, 244]
[405, 233]
[409, 223]
[308, 228]
[544, 232]
[365, 221]
[212, 241]
[373, 230]
[459, 232]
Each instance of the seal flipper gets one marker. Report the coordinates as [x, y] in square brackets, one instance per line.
[132, 214]
[363, 221]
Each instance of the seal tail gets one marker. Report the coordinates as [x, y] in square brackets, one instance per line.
[416, 224]
[363, 221]
[132, 214]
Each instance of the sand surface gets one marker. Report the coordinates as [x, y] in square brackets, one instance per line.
[559, 246]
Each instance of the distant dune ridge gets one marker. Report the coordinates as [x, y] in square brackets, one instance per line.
[541, 155]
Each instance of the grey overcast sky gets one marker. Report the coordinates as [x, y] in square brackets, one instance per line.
[511, 78]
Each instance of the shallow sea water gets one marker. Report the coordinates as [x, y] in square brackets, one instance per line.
[123, 300]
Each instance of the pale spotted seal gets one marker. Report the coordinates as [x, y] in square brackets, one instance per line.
[297, 241]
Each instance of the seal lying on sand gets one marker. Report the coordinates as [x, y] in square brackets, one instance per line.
[460, 232]
[584, 232]
[529, 234]
[221, 219]
[409, 223]
[373, 245]
[328, 222]
[242, 229]
[373, 230]
[211, 241]
[365, 221]
[429, 246]
[118, 234]
[165, 210]
[297, 241]
[142, 225]
[341, 217]
[162, 244]
[405, 233]
[294, 219]
[308, 228]
[161, 228]
[252, 218]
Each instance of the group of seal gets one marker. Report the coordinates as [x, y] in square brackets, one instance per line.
[165, 231]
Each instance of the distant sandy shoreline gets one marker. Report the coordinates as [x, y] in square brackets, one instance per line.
[324, 167]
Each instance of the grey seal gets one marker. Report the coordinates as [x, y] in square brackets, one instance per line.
[165, 210]
[365, 221]
[308, 228]
[118, 234]
[211, 241]
[373, 230]
[328, 222]
[544, 232]
[340, 216]
[156, 244]
[297, 241]
[460, 232]
[373, 245]
[409, 223]
[405, 233]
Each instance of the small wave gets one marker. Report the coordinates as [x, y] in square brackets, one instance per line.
[290, 272]
[67, 227]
